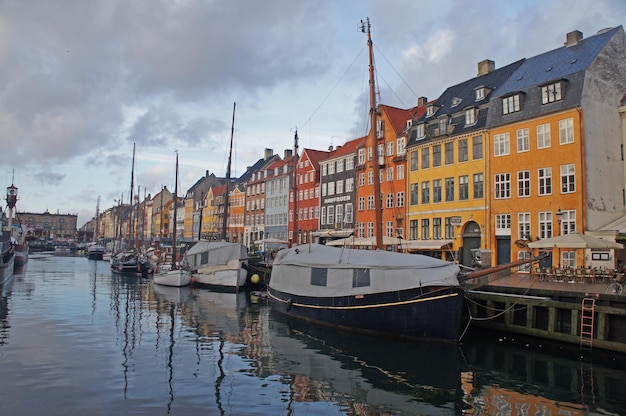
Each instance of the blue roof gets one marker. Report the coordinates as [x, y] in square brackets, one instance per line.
[557, 63]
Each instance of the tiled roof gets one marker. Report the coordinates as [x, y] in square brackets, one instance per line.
[348, 147]
[557, 63]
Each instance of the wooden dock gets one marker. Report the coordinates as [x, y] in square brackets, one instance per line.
[579, 314]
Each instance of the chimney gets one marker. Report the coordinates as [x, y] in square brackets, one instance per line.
[421, 101]
[573, 38]
[486, 66]
[288, 153]
[207, 173]
[268, 153]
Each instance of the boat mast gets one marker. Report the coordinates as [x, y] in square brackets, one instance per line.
[97, 230]
[226, 192]
[378, 220]
[174, 248]
[132, 186]
[295, 189]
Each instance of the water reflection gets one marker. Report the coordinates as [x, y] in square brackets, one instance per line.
[85, 341]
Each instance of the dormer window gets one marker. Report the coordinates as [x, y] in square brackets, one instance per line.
[480, 93]
[456, 101]
[420, 131]
[430, 110]
[471, 116]
[551, 92]
[409, 123]
[511, 104]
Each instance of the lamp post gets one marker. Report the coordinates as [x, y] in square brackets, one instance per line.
[559, 215]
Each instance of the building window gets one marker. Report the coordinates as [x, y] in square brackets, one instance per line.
[348, 217]
[389, 201]
[551, 93]
[361, 203]
[324, 170]
[339, 187]
[349, 166]
[510, 104]
[413, 230]
[463, 150]
[568, 179]
[421, 131]
[477, 147]
[339, 214]
[545, 224]
[436, 228]
[323, 219]
[449, 153]
[523, 225]
[400, 199]
[361, 179]
[568, 259]
[449, 228]
[543, 136]
[463, 188]
[566, 131]
[478, 186]
[503, 185]
[401, 143]
[443, 125]
[449, 189]
[400, 172]
[523, 141]
[370, 202]
[437, 190]
[390, 149]
[390, 174]
[425, 229]
[503, 224]
[349, 185]
[414, 156]
[501, 144]
[331, 168]
[370, 177]
[370, 229]
[436, 155]
[414, 189]
[389, 228]
[425, 192]
[545, 181]
[470, 116]
[340, 164]
[430, 110]
[523, 183]
[480, 93]
[361, 156]
[425, 158]
[568, 222]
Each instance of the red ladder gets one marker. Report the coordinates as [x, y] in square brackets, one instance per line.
[587, 318]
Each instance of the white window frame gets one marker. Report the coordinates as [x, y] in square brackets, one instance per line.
[568, 178]
[502, 184]
[545, 181]
[523, 183]
[501, 144]
[523, 140]
[543, 136]
[566, 131]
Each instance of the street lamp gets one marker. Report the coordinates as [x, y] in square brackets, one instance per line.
[559, 214]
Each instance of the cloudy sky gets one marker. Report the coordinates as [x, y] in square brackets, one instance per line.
[81, 81]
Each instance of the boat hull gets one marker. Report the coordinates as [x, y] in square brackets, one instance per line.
[6, 267]
[221, 278]
[175, 278]
[422, 313]
[21, 256]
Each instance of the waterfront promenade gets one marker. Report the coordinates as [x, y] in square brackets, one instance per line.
[531, 281]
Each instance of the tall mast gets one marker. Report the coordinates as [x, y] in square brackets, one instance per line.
[372, 139]
[174, 248]
[132, 186]
[295, 188]
[226, 192]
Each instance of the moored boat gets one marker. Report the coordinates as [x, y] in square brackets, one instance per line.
[219, 264]
[95, 251]
[178, 274]
[18, 236]
[406, 295]
[7, 255]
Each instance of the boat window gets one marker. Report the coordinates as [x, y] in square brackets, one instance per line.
[360, 277]
[204, 258]
[318, 276]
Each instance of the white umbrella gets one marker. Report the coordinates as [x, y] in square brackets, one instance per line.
[575, 241]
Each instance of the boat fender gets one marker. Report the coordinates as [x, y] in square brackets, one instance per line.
[288, 307]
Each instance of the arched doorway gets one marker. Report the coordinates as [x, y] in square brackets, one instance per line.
[471, 240]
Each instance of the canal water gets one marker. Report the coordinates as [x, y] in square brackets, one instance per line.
[77, 340]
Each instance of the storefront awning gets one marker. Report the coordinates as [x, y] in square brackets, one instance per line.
[426, 244]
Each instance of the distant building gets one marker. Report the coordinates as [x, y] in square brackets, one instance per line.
[47, 225]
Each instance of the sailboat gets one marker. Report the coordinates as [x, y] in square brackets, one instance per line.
[7, 254]
[220, 264]
[179, 273]
[382, 292]
[18, 237]
[95, 250]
